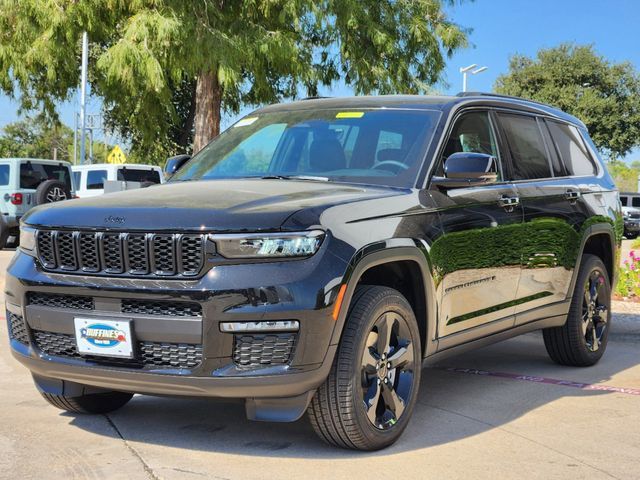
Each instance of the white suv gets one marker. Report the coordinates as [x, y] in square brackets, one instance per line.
[90, 179]
[25, 183]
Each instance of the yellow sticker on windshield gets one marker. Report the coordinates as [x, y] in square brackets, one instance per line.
[349, 114]
[245, 121]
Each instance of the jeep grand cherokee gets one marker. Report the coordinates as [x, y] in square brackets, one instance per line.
[316, 254]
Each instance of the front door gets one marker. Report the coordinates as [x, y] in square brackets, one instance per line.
[477, 257]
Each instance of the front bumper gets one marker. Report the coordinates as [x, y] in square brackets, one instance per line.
[302, 290]
[632, 225]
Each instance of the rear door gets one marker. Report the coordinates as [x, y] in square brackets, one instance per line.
[551, 214]
[477, 259]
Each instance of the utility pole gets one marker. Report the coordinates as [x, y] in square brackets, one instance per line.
[83, 95]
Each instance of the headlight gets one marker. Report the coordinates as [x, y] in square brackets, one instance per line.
[269, 245]
[28, 240]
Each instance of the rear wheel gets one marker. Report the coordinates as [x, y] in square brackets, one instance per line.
[91, 403]
[368, 398]
[582, 340]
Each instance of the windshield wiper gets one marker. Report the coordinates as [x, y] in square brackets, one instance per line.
[310, 178]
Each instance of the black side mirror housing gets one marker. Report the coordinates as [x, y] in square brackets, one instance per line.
[467, 169]
[173, 164]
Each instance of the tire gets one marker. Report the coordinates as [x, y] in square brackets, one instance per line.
[91, 403]
[338, 412]
[4, 236]
[587, 323]
[51, 191]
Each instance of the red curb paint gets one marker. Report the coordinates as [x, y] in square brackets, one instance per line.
[545, 380]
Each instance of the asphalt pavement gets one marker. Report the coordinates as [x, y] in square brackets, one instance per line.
[504, 411]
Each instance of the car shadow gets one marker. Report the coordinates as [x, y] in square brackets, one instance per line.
[451, 405]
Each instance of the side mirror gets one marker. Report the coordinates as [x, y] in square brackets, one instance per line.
[174, 164]
[467, 169]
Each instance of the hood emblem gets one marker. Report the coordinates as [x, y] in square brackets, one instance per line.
[114, 219]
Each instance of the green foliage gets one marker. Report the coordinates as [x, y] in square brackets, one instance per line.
[146, 55]
[625, 176]
[629, 277]
[604, 95]
[37, 137]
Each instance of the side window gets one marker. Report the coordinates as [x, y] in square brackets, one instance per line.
[635, 201]
[528, 152]
[4, 175]
[472, 132]
[624, 200]
[96, 179]
[572, 149]
[76, 179]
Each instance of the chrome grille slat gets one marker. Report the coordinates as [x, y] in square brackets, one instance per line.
[121, 253]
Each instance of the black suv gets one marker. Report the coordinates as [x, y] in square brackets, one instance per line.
[316, 254]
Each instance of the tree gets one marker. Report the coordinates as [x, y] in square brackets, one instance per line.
[604, 95]
[35, 137]
[167, 69]
[625, 176]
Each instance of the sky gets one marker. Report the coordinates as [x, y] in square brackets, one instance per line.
[500, 29]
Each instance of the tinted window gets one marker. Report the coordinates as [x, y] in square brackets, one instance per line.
[572, 149]
[623, 201]
[635, 201]
[76, 179]
[4, 175]
[33, 174]
[528, 153]
[472, 132]
[339, 145]
[96, 179]
[138, 175]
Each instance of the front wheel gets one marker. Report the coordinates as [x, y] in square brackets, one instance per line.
[582, 340]
[370, 393]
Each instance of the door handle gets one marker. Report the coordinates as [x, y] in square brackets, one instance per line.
[508, 203]
[572, 196]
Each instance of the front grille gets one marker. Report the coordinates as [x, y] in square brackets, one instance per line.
[60, 301]
[169, 309]
[17, 328]
[149, 354]
[261, 350]
[130, 254]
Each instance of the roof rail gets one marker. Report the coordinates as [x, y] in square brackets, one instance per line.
[316, 97]
[498, 95]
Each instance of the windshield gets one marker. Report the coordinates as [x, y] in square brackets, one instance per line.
[381, 146]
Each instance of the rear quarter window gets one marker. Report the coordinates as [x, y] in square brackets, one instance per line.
[572, 149]
[96, 179]
[4, 175]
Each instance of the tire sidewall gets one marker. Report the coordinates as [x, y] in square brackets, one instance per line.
[590, 265]
[396, 303]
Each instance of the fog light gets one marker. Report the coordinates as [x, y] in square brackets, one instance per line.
[264, 326]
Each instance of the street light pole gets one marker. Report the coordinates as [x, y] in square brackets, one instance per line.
[83, 96]
[470, 69]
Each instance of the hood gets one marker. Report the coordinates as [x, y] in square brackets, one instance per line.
[214, 205]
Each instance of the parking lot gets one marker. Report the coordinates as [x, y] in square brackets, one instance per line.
[504, 411]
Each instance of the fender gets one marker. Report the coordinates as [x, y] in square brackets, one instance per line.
[388, 251]
[592, 230]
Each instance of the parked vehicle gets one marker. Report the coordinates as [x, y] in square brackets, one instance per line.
[631, 214]
[316, 254]
[25, 183]
[90, 179]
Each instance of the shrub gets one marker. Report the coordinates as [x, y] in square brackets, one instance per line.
[629, 277]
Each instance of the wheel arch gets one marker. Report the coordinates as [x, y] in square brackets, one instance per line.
[600, 240]
[396, 257]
